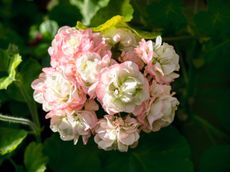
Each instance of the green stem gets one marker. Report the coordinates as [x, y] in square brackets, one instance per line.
[184, 71]
[13, 163]
[18, 120]
[30, 103]
[219, 46]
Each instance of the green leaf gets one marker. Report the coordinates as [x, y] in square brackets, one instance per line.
[89, 8]
[29, 71]
[216, 159]
[8, 34]
[217, 20]
[119, 22]
[164, 15]
[145, 34]
[162, 151]
[34, 159]
[211, 87]
[9, 63]
[48, 29]
[165, 150]
[64, 156]
[115, 21]
[64, 13]
[118, 7]
[10, 139]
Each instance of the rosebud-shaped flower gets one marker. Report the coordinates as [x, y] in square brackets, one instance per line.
[162, 60]
[157, 90]
[159, 110]
[122, 87]
[56, 91]
[131, 55]
[145, 51]
[72, 124]
[64, 46]
[69, 43]
[162, 112]
[115, 133]
[88, 67]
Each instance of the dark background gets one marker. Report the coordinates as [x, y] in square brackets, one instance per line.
[198, 139]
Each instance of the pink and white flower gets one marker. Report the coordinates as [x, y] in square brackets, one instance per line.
[159, 110]
[113, 69]
[69, 43]
[145, 51]
[71, 124]
[54, 90]
[122, 87]
[88, 67]
[117, 133]
[162, 112]
[161, 59]
[131, 55]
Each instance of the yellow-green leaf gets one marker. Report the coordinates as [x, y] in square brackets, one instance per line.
[10, 139]
[119, 22]
[144, 34]
[116, 21]
[11, 62]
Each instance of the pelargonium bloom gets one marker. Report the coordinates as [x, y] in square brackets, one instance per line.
[65, 45]
[117, 133]
[69, 43]
[88, 67]
[71, 124]
[131, 55]
[161, 59]
[54, 90]
[159, 110]
[122, 87]
[145, 51]
[162, 112]
[113, 69]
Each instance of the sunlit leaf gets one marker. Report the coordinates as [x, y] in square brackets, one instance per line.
[10, 139]
[34, 159]
[118, 7]
[116, 21]
[10, 60]
[119, 22]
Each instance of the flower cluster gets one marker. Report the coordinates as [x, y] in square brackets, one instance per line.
[127, 77]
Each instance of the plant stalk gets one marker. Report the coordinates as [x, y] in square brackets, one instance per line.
[18, 120]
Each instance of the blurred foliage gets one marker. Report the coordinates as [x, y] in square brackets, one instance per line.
[200, 136]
